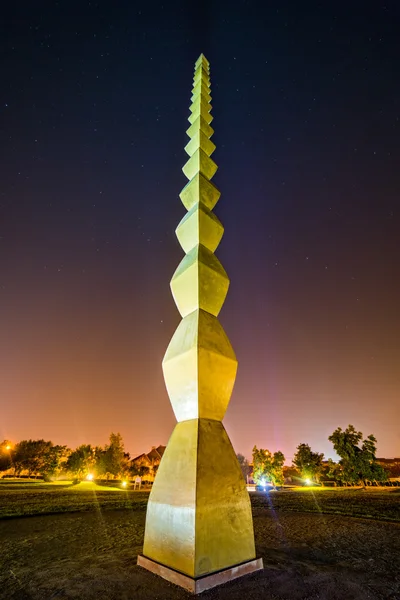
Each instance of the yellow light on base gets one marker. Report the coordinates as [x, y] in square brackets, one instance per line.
[124, 484]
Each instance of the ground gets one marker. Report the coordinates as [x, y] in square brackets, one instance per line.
[314, 546]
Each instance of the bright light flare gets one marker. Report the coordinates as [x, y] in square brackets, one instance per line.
[89, 477]
[124, 484]
[308, 481]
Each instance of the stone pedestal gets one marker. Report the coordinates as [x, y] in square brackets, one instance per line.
[196, 586]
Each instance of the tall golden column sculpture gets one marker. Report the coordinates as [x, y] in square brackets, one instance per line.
[199, 528]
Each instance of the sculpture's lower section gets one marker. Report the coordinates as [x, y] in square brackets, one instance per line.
[196, 586]
[199, 515]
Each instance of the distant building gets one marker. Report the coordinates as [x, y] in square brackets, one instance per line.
[392, 465]
[149, 463]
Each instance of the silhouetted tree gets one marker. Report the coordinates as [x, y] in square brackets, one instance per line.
[113, 460]
[28, 456]
[334, 471]
[6, 453]
[268, 466]
[308, 463]
[244, 465]
[81, 461]
[53, 458]
[38, 457]
[357, 464]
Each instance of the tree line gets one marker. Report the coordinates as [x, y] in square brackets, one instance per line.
[47, 460]
[357, 463]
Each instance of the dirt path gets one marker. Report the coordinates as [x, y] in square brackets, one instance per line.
[90, 556]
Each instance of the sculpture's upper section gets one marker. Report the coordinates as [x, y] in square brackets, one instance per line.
[200, 281]
[200, 364]
[200, 168]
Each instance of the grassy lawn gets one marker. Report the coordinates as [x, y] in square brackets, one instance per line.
[380, 504]
[38, 498]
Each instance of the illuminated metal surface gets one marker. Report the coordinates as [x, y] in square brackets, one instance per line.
[199, 516]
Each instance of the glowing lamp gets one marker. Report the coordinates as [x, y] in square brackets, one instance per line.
[89, 477]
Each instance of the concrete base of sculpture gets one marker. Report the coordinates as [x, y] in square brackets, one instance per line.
[201, 584]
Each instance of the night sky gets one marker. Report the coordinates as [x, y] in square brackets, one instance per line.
[94, 99]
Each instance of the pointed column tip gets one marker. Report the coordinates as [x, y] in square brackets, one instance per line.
[203, 59]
